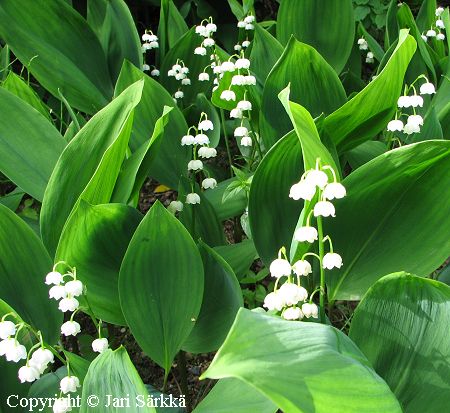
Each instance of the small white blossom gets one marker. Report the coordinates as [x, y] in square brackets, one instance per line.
[241, 24]
[324, 209]
[211, 27]
[68, 304]
[40, 359]
[12, 350]
[242, 63]
[99, 345]
[424, 38]
[244, 105]
[440, 24]
[186, 82]
[209, 183]
[155, 73]
[237, 47]
[303, 189]
[153, 45]
[206, 152]
[236, 113]
[238, 80]
[217, 70]
[205, 125]
[292, 313]
[195, 165]
[334, 190]
[249, 19]
[148, 37]
[171, 73]
[332, 260]
[317, 178]
[427, 89]
[280, 267]
[184, 70]
[411, 128]
[57, 292]
[227, 67]
[431, 33]
[70, 328]
[440, 36]
[187, 140]
[362, 43]
[245, 43]
[273, 301]
[228, 95]
[306, 234]
[246, 141]
[201, 30]
[201, 51]
[201, 139]
[439, 11]
[74, 288]
[180, 76]
[369, 57]
[415, 120]
[291, 293]
[208, 42]
[179, 94]
[395, 125]
[62, 405]
[175, 206]
[241, 131]
[310, 310]
[54, 277]
[145, 67]
[203, 77]
[7, 329]
[69, 384]
[192, 198]
[28, 374]
[249, 26]
[250, 80]
[302, 268]
[416, 101]
[404, 102]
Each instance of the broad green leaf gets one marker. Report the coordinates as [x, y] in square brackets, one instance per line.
[172, 157]
[113, 375]
[315, 22]
[24, 263]
[239, 256]
[12, 200]
[4, 63]
[314, 84]
[16, 85]
[376, 230]
[161, 285]
[431, 127]
[78, 365]
[401, 325]
[233, 395]
[366, 114]
[59, 48]
[222, 298]
[391, 33]
[94, 241]
[78, 164]
[426, 16]
[113, 24]
[301, 367]
[364, 153]
[29, 145]
[273, 215]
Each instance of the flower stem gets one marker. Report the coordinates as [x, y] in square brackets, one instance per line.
[322, 271]
[222, 120]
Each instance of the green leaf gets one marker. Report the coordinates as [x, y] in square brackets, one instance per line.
[60, 50]
[301, 367]
[370, 110]
[113, 375]
[94, 241]
[239, 256]
[391, 33]
[172, 157]
[314, 84]
[77, 173]
[161, 285]
[13, 199]
[364, 153]
[401, 325]
[315, 23]
[24, 263]
[222, 298]
[113, 24]
[361, 12]
[426, 16]
[233, 395]
[29, 145]
[376, 229]
[273, 215]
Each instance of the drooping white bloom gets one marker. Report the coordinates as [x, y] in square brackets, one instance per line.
[334, 190]
[246, 141]
[201, 30]
[241, 24]
[249, 19]
[69, 384]
[238, 80]
[203, 77]
[280, 267]
[205, 125]
[310, 310]
[331, 260]
[153, 45]
[303, 189]
[57, 292]
[415, 120]
[440, 24]
[395, 125]
[201, 51]
[245, 43]
[369, 57]
[28, 374]
[171, 73]
[241, 131]
[175, 206]
[244, 105]
[228, 95]
[431, 33]
[317, 178]
[40, 359]
[184, 70]
[273, 301]
[228, 67]
[192, 198]
[211, 28]
[411, 128]
[70, 328]
[209, 42]
[291, 293]
[195, 165]
[440, 36]
[236, 113]
[145, 67]
[416, 101]
[178, 94]
[180, 76]
[62, 405]
[237, 47]
[12, 350]
[177, 67]
[324, 209]
[249, 26]
[206, 152]
[99, 345]
[404, 102]
[68, 304]
[242, 63]
[362, 43]
[187, 140]
[439, 11]
[54, 277]
[209, 183]
[149, 37]
[250, 80]
[292, 313]
[306, 234]
[201, 139]
[186, 82]
[302, 268]
[155, 73]
[7, 329]
[424, 38]
[74, 288]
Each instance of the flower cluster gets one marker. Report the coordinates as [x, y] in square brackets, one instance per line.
[150, 41]
[363, 45]
[247, 23]
[414, 101]
[435, 31]
[205, 29]
[180, 72]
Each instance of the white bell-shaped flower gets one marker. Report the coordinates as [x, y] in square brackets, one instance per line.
[12, 350]
[201, 139]
[424, 38]
[175, 206]
[238, 80]
[99, 345]
[236, 113]
[310, 310]
[28, 374]
[416, 101]
[440, 24]
[203, 77]
[440, 36]
[249, 19]
[57, 292]
[411, 128]
[211, 28]
[302, 268]
[186, 82]
[54, 277]
[415, 120]
[62, 405]
[249, 26]
[241, 131]
[205, 125]
[245, 43]
[74, 288]
[241, 24]
[70, 328]
[228, 95]
[228, 66]
[273, 301]
[334, 190]
[331, 260]
[404, 102]
[155, 73]
[180, 76]
[68, 304]
[292, 313]
[179, 94]
[324, 209]
[192, 198]
[250, 80]
[7, 329]
[184, 70]
[242, 63]
[431, 33]
[280, 267]
[209, 42]
[206, 152]
[439, 11]
[306, 234]
[302, 190]
[362, 43]
[237, 47]
[153, 45]
[187, 140]
[395, 125]
[40, 359]
[317, 178]
[291, 293]
[369, 57]
[69, 384]
[244, 105]
[209, 183]
[201, 30]
[171, 73]
[145, 67]
[246, 141]
[195, 165]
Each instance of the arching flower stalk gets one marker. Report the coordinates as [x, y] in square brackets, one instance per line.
[150, 42]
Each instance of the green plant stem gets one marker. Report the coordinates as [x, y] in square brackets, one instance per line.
[322, 271]
[230, 160]
[183, 375]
